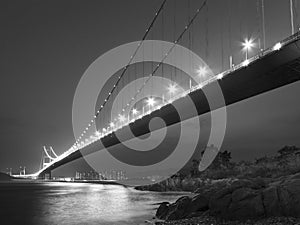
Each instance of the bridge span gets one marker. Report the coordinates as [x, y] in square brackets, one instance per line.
[269, 69]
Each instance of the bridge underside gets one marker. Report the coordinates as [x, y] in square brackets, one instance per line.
[45, 175]
[274, 70]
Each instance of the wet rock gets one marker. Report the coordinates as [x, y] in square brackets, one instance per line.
[256, 183]
[271, 201]
[178, 209]
[242, 193]
[218, 205]
[247, 205]
[162, 210]
[289, 197]
[198, 203]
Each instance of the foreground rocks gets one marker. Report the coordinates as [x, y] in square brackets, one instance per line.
[239, 200]
[209, 220]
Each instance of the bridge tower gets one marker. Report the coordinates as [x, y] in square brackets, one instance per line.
[22, 170]
[48, 155]
[9, 171]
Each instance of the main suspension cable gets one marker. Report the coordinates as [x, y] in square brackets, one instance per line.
[125, 68]
[190, 22]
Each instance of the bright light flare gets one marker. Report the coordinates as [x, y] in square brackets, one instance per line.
[112, 125]
[202, 71]
[134, 111]
[172, 88]
[122, 118]
[150, 101]
[277, 46]
[220, 76]
[248, 44]
[246, 62]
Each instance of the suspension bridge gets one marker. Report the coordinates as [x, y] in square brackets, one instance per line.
[259, 71]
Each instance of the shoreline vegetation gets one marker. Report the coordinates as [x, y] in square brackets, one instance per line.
[264, 191]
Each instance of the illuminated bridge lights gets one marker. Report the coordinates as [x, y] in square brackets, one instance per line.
[121, 118]
[202, 71]
[248, 44]
[172, 88]
[277, 46]
[139, 115]
[246, 62]
[220, 76]
[150, 101]
[134, 111]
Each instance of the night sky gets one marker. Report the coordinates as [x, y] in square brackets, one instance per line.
[46, 46]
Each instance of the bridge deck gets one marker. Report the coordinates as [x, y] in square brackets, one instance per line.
[269, 70]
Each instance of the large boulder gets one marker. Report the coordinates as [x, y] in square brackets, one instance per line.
[239, 200]
[219, 204]
[177, 210]
[198, 203]
[245, 203]
[182, 208]
[271, 201]
[282, 198]
[210, 189]
[289, 196]
[256, 183]
[162, 210]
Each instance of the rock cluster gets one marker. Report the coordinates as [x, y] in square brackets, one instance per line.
[239, 199]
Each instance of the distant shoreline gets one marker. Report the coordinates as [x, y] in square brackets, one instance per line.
[10, 179]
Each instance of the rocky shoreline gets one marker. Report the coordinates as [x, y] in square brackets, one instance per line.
[209, 220]
[237, 201]
[263, 191]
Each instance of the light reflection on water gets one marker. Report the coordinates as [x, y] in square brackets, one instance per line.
[75, 203]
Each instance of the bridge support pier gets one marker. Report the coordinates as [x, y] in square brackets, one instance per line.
[46, 175]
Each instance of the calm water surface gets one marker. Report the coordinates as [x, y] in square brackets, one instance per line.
[74, 203]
